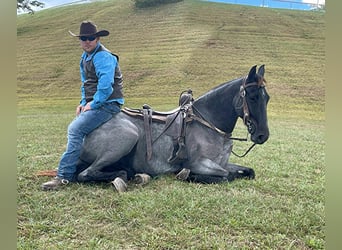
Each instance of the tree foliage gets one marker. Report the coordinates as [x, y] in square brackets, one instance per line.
[150, 3]
[26, 5]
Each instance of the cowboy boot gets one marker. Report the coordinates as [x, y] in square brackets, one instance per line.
[54, 184]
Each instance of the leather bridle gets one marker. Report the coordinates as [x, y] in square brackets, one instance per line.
[248, 123]
[245, 108]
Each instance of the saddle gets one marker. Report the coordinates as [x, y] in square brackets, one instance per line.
[156, 116]
[175, 125]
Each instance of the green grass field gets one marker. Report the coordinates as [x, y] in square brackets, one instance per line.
[163, 51]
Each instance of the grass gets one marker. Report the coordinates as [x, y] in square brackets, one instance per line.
[164, 51]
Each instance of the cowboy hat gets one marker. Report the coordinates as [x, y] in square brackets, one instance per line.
[88, 28]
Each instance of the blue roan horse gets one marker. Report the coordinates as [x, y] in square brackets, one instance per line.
[193, 141]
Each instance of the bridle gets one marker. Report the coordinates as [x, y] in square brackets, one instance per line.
[245, 108]
[245, 117]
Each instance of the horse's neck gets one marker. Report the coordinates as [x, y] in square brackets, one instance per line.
[218, 107]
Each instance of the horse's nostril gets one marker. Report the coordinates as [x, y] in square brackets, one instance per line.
[260, 138]
[251, 127]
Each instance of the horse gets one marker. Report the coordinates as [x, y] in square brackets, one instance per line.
[193, 141]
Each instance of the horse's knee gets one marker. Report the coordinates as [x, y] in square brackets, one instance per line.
[83, 176]
[95, 175]
[87, 175]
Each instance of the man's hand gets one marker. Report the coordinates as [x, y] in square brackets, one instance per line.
[79, 110]
[86, 107]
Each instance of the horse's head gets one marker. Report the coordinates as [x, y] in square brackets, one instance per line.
[253, 110]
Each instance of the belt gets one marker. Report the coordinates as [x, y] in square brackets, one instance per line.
[114, 103]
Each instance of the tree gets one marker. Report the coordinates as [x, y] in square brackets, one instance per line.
[26, 5]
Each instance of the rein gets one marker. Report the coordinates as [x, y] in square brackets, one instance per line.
[228, 135]
[243, 155]
[203, 121]
[166, 127]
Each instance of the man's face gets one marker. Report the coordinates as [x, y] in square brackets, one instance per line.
[88, 43]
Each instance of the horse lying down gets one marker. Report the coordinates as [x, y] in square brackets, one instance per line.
[192, 141]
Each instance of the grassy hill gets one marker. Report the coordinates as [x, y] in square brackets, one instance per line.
[192, 44]
[163, 51]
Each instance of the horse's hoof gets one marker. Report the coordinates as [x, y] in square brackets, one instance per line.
[246, 174]
[119, 185]
[183, 174]
[142, 179]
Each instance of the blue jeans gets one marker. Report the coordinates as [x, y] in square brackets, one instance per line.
[81, 126]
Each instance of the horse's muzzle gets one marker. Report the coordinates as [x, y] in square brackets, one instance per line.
[260, 138]
[258, 135]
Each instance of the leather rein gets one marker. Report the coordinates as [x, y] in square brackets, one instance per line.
[227, 135]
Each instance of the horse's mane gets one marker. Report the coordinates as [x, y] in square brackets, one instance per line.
[219, 87]
[259, 79]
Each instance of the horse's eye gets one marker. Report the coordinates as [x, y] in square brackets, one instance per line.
[263, 92]
[254, 98]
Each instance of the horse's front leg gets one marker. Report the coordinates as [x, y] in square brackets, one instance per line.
[205, 170]
[240, 172]
[208, 171]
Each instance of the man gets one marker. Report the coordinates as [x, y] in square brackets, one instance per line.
[101, 98]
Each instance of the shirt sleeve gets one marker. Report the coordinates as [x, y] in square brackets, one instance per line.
[105, 64]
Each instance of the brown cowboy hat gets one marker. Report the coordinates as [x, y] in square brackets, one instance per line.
[88, 28]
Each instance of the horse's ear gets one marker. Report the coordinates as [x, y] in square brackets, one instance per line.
[251, 74]
[261, 70]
